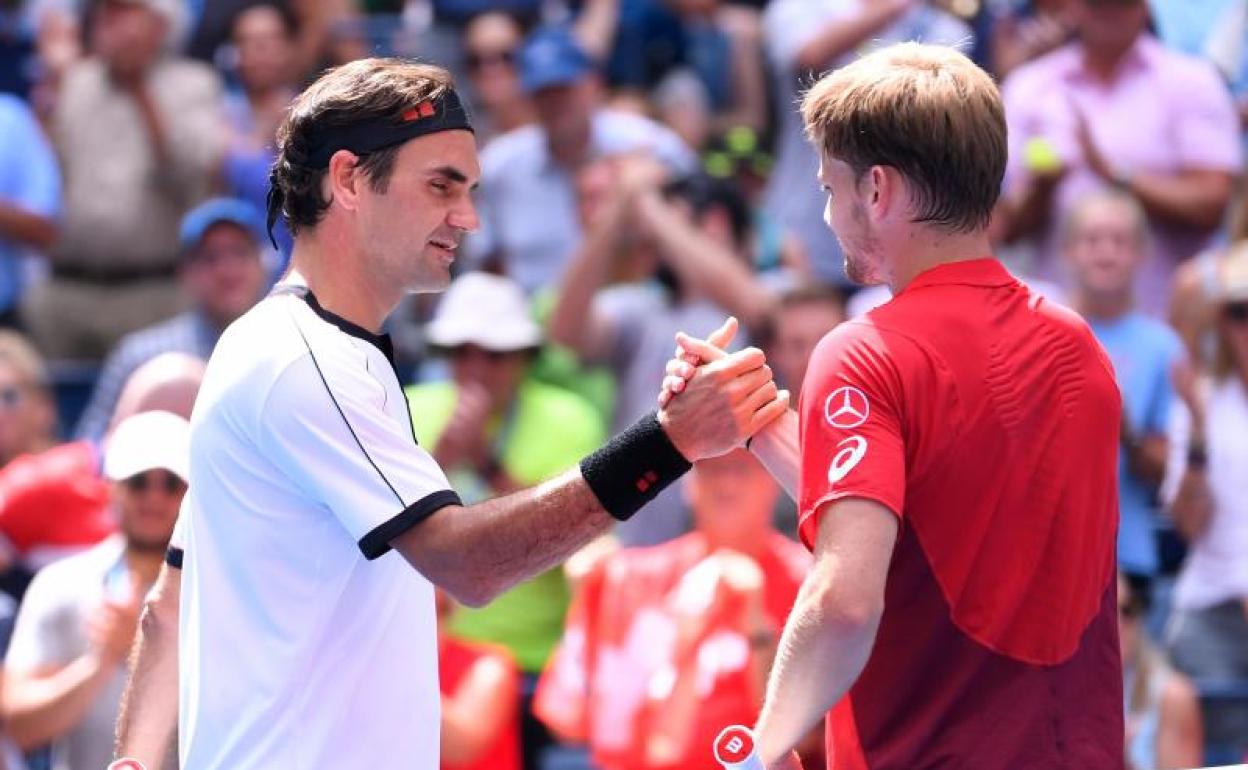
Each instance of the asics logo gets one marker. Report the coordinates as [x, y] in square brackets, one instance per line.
[846, 458]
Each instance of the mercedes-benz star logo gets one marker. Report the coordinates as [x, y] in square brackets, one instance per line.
[846, 408]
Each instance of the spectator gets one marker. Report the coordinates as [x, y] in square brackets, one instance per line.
[264, 36]
[723, 47]
[805, 38]
[480, 700]
[1024, 30]
[222, 273]
[30, 199]
[1162, 708]
[800, 318]
[681, 264]
[491, 48]
[1117, 109]
[27, 411]
[66, 666]
[528, 202]
[1105, 244]
[54, 503]
[137, 133]
[667, 645]
[1208, 634]
[494, 431]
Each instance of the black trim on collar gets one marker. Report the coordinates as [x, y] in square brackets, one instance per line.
[173, 556]
[380, 341]
[377, 542]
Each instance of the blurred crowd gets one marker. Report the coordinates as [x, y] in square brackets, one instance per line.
[644, 172]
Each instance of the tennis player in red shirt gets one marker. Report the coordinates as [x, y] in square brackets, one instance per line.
[953, 457]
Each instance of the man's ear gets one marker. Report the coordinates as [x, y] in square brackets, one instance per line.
[885, 196]
[342, 179]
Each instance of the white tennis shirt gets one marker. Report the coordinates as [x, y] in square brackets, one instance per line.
[305, 642]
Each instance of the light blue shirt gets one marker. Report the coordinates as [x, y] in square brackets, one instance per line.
[528, 202]
[1143, 352]
[29, 180]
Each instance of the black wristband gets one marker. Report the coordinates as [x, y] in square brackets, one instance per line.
[633, 468]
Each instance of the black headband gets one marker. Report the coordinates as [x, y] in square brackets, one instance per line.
[442, 113]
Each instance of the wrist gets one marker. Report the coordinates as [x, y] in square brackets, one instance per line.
[1197, 456]
[127, 763]
[634, 467]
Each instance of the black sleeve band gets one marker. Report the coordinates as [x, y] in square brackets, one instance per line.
[633, 468]
[377, 542]
[173, 556]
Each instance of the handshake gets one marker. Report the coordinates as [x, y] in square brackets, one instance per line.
[711, 401]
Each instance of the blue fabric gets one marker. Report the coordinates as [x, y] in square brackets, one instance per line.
[1143, 352]
[1185, 25]
[29, 179]
[245, 172]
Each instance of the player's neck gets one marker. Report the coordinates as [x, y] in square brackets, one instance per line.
[334, 273]
[923, 248]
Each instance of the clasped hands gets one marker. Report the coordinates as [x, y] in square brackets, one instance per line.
[725, 398]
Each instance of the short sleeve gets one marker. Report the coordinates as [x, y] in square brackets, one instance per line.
[1207, 127]
[38, 184]
[326, 425]
[851, 436]
[37, 640]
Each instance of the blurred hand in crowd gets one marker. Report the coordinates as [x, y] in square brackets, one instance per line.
[111, 629]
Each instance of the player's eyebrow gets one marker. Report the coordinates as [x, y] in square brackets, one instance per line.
[455, 175]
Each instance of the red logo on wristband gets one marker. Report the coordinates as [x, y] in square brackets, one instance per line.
[647, 480]
[735, 744]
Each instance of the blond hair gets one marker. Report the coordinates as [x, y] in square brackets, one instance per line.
[926, 111]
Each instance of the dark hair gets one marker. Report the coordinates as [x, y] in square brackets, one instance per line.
[361, 90]
[926, 111]
[706, 193]
[290, 22]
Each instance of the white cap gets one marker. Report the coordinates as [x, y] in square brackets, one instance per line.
[485, 310]
[148, 440]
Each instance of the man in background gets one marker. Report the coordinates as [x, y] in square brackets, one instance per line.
[66, 666]
[222, 273]
[138, 134]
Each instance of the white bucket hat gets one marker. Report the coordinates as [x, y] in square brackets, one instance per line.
[148, 440]
[484, 310]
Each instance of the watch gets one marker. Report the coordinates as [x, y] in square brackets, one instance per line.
[1197, 456]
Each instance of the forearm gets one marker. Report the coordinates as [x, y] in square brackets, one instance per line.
[570, 323]
[595, 27]
[148, 720]
[777, 447]
[1193, 504]
[1190, 200]
[821, 653]
[705, 265]
[38, 710]
[844, 36]
[19, 225]
[479, 551]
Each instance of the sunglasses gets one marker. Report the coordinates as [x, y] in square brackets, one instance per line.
[139, 482]
[476, 61]
[1236, 312]
[493, 356]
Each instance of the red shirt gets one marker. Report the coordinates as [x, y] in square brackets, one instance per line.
[986, 418]
[455, 659]
[654, 660]
[55, 501]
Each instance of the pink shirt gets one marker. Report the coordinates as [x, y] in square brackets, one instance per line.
[1164, 112]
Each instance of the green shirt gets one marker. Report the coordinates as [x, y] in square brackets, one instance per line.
[547, 432]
